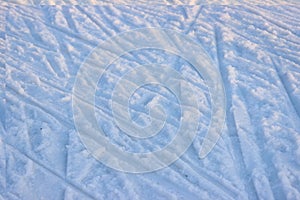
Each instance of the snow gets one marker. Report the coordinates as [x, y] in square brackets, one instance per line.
[255, 48]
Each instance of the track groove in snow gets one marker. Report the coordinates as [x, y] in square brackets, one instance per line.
[48, 170]
[234, 135]
[256, 49]
[286, 88]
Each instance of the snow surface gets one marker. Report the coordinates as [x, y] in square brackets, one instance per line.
[257, 50]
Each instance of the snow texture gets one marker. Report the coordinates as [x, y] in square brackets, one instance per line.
[256, 49]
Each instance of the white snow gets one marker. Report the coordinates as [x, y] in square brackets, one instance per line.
[256, 49]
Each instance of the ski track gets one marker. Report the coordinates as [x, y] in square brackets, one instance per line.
[232, 128]
[155, 2]
[256, 49]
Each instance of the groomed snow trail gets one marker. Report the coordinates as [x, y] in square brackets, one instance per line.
[257, 50]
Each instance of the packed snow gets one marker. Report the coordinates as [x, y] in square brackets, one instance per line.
[255, 48]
